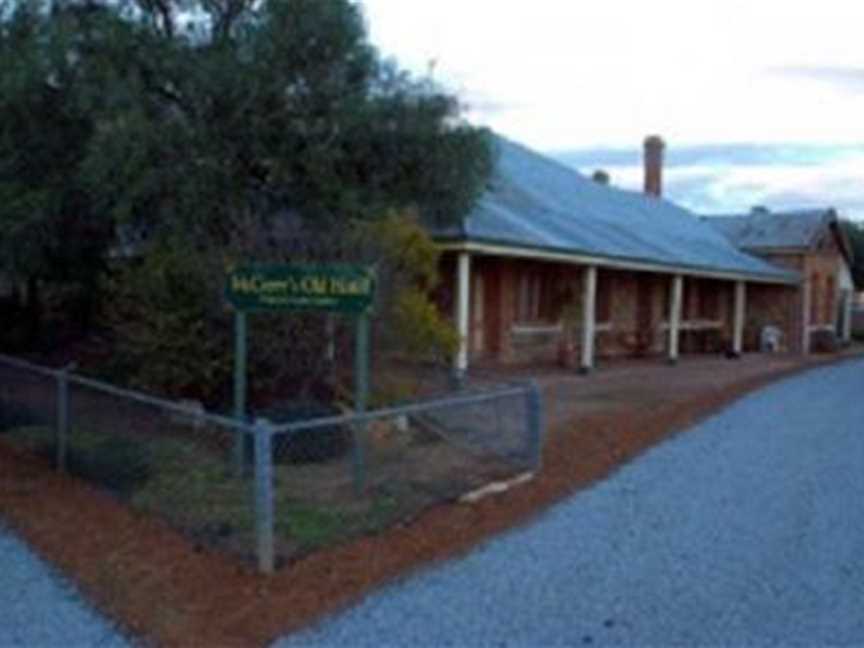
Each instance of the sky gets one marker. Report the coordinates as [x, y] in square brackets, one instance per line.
[760, 102]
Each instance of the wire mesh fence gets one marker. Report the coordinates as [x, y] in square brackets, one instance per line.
[176, 463]
[28, 405]
[343, 476]
[273, 490]
[172, 460]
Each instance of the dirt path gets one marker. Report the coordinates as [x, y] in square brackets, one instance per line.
[165, 588]
[747, 530]
[649, 383]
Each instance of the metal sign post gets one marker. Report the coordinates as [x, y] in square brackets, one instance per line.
[361, 398]
[346, 289]
[239, 390]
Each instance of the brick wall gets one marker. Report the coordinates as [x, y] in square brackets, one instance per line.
[819, 269]
[772, 305]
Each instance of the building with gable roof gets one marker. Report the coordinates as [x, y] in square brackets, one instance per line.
[811, 242]
[551, 265]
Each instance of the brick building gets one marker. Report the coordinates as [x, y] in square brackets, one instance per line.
[812, 243]
[553, 267]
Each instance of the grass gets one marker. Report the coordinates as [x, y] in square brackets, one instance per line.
[315, 527]
[193, 489]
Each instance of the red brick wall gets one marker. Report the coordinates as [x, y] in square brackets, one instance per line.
[824, 293]
[772, 305]
[821, 265]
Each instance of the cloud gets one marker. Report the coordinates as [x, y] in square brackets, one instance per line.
[844, 77]
[728, 179]
[482, 107]
[837, 185]
[742, 154]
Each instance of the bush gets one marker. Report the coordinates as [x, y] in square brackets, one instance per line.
[172, 335]
[424, 334]
[114, 463]
[174, 331]
[16, 415]
[307, 446]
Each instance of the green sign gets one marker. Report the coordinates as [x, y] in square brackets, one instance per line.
[335, 288]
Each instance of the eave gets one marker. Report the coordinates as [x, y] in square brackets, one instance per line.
[492, 248]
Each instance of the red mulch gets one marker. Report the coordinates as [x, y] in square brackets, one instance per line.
[166, 590]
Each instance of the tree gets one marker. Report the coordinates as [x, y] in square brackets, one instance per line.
[49, 231]
[261, 107]
[209, 124]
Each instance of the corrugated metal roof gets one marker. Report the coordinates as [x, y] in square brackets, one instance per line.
[763, 229]
[536, 202]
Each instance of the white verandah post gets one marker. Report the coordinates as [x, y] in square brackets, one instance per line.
[589, 318]
[463, 306]
[740, 315]
[807, 288]
[675, 317]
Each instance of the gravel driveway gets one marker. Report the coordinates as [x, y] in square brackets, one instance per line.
[39, 609]
[746, 530]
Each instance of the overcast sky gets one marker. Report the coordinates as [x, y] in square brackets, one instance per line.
[760, 102]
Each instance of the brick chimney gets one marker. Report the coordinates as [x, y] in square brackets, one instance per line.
[654, 146]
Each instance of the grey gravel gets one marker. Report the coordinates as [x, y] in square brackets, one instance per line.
[748, 530]
[40, 609]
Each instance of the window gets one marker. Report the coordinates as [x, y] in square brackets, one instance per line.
[536, 298]
[829, 300]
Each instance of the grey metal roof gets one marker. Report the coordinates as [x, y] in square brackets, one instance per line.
[763, 230]
[535, 202]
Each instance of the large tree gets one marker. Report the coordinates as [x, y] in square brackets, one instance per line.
[204, 120]
[223, 131]
[256, 107]
[49, 231]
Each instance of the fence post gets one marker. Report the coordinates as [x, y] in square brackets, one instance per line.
[535, 422]
[264, 514]
[62, 440]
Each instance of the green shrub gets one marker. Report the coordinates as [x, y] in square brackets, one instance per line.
[16, 415]
[171, 332]
[115, 463]
[307, 446]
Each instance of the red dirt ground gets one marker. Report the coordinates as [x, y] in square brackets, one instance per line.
[167, 591]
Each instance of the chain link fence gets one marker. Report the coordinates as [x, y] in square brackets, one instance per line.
[280, 487]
